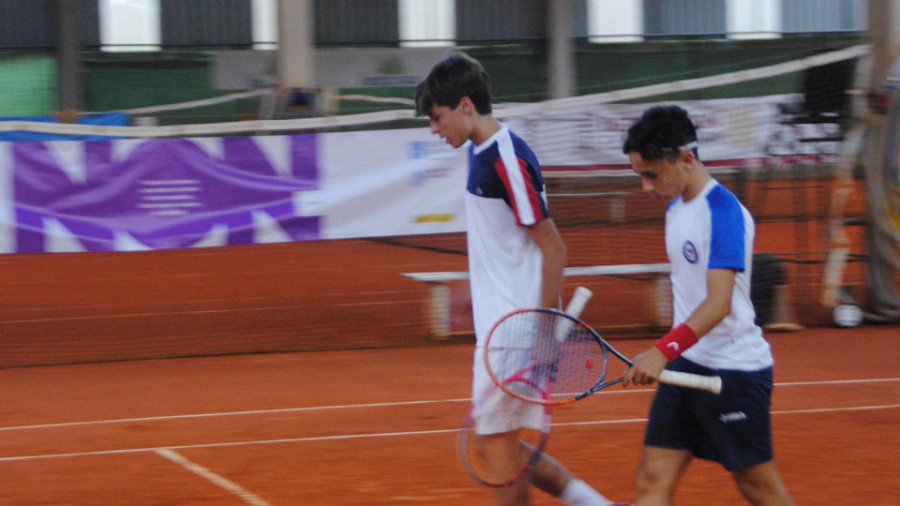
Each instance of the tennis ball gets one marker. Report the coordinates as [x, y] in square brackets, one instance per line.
[847, 315]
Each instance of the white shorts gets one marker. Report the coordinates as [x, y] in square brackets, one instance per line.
[496, 411]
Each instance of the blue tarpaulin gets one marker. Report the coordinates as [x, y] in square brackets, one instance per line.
[106, 118]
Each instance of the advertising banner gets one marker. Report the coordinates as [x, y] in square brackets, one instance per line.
[127, 195]
[164, 193]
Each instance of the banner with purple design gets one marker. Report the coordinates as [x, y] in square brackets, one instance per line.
[138, 194]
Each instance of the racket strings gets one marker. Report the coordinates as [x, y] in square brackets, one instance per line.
[549, 349]
[581, 364]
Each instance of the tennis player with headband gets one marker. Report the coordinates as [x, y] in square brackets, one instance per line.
[709, 242]
[516, 256]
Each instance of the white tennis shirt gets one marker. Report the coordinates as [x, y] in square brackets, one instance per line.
[504, 194]
[715, 231]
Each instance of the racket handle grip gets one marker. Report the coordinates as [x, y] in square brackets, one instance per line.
[576, 305]
[578, 301]
[683, 379]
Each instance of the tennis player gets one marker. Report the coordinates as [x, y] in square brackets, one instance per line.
[709, 242]
[516, 255]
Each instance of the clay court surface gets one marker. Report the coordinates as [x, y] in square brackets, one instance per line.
[359, 405]
[378, 426]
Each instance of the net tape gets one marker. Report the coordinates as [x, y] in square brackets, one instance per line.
[503, 111]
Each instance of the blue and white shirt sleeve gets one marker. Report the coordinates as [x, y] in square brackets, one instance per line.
[727, 246]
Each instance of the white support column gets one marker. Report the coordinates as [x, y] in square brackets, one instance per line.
[560, 57]
[427, 23]
[615, 20]
[265, 24]
[130, 26]
[296, 48]
[753, 19]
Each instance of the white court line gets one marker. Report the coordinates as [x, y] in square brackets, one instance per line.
[347, 437]
[140, 315]
[188, 312]
[876, 407]
[221, 481]
[835, 382]
[231, 413]
[376, 405]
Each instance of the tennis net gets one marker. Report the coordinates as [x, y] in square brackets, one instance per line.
[781, 153]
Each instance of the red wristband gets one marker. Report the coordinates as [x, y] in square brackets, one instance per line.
[676, 341]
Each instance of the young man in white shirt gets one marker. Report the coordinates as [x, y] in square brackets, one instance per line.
[516, 255]
[709, 242]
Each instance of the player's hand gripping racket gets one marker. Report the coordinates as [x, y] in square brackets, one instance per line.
[566, 357]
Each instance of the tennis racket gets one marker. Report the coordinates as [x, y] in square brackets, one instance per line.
[475, 444]
[483, 457]
[567, 358]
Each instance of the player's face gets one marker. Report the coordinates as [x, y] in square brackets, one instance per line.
[453, 125]
[660, 178]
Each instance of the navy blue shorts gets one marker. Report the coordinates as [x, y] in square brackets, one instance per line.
[733, 428]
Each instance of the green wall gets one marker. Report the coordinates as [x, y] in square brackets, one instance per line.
[122, 81]
[28, 85]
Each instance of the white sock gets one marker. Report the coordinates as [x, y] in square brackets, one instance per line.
[579, 493]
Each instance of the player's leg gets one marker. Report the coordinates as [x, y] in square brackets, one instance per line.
[499, 421]
[744, 432]
[553, 478]
[658, 474]
[504, 452]
[513, 495]
[507, 454]
[668, 442]
[550, 476]
[762, 486]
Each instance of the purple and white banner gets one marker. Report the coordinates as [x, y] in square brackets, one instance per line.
[138, 194]
[128, 195]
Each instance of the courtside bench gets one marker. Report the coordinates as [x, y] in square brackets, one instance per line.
[439, 297]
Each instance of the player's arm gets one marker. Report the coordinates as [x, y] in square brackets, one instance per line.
[545, 234]
[714, 308]
[717, 304]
